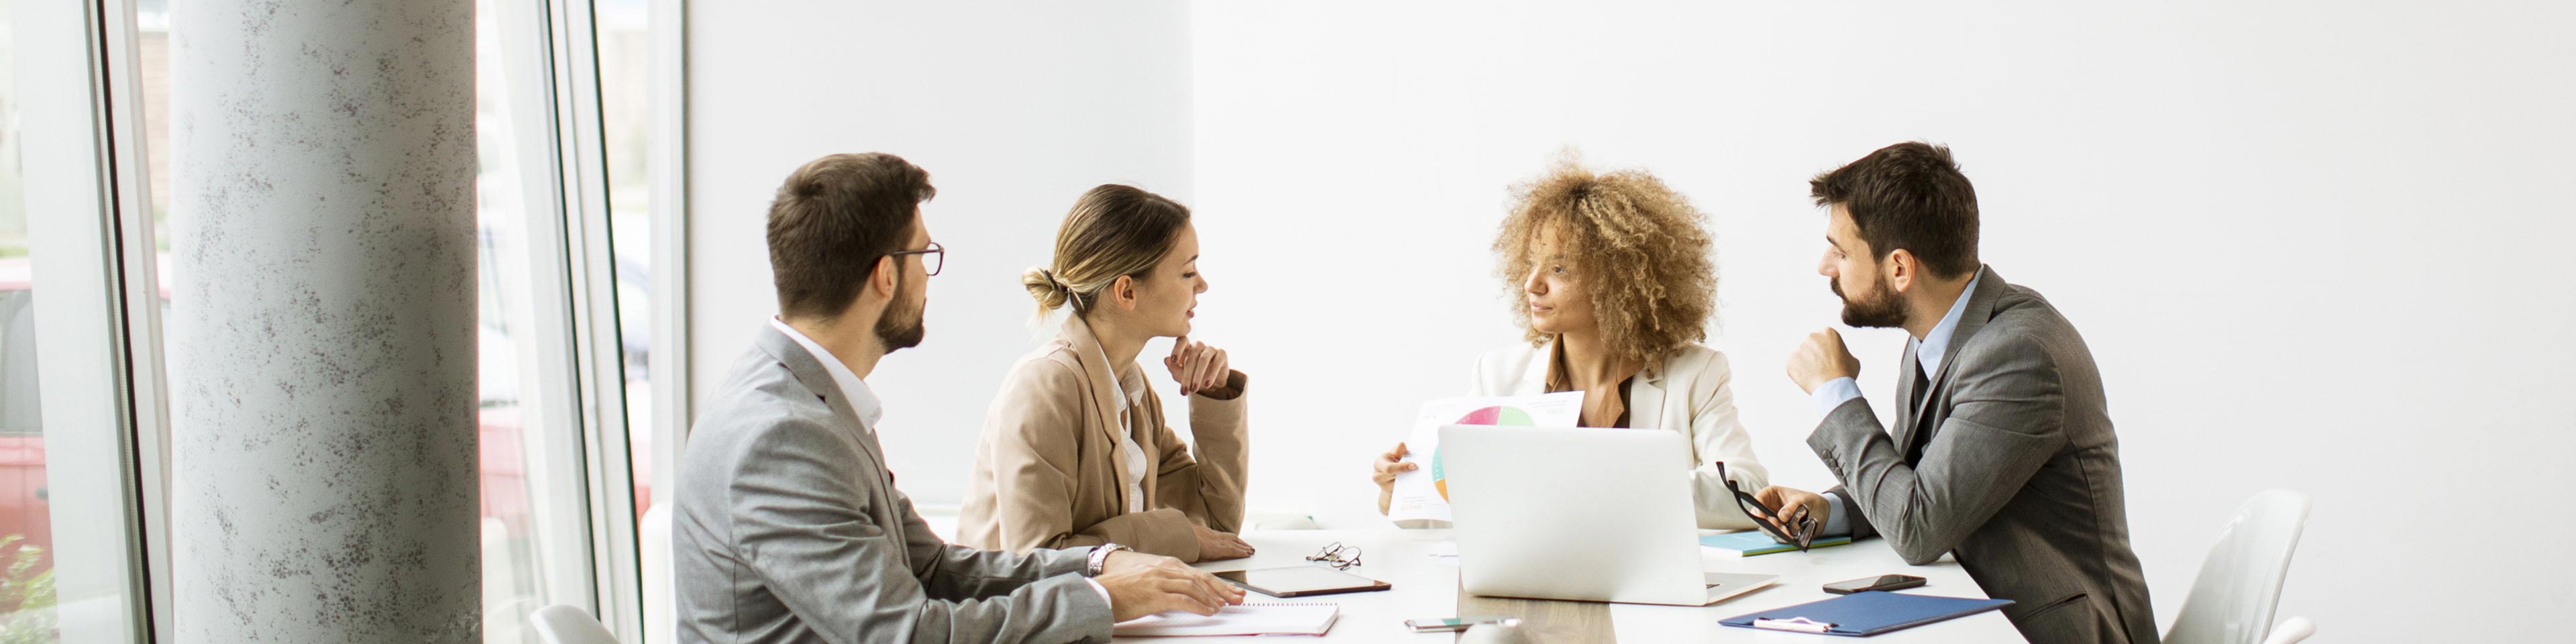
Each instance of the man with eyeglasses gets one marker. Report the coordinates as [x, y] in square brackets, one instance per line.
[2002, 451]
[789, 527]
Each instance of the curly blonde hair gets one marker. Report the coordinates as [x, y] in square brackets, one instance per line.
[1639, 247]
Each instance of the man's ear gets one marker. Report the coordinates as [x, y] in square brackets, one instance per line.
[1902, 269]
[882, 278]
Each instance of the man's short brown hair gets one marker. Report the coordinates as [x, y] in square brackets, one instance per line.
[832, 220]
[1910, 196]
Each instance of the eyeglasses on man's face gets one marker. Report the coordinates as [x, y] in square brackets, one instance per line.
[931, 257]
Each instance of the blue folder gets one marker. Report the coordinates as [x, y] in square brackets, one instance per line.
[1869, 613]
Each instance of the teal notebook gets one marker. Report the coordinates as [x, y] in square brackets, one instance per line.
[1755, 542]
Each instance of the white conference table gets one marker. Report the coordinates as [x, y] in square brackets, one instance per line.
[1427, 587]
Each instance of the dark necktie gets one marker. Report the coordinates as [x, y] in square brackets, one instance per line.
[1922, 433]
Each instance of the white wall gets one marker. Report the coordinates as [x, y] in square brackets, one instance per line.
[2312, 245]
[1014, 109]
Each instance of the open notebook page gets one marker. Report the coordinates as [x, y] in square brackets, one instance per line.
[1247, 619]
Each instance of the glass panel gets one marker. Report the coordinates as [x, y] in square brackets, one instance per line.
[514, 560]
[626, 112]
[26, 524]
[514, 582]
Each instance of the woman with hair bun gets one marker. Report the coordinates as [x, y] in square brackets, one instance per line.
[1075, 451]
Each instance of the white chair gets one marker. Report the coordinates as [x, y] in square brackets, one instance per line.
[2239, 585]
[2291, 631]
[564, 624]
[500, 584]
[660, 607]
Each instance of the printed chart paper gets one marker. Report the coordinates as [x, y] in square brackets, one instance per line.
[1423, 494]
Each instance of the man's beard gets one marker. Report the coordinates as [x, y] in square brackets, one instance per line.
[1884, 310]
[900, 328]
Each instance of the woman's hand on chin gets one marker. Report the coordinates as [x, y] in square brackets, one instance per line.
[1198, 367]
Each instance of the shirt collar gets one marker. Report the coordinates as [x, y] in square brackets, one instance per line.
[1127, 381]
[862, 400]
[1936, 343]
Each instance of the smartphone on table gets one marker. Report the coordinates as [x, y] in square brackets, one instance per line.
[1881, 582]
[1454, 624]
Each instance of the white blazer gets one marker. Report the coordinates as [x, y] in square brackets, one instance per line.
[1687, 393]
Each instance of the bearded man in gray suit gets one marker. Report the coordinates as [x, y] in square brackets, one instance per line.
[790, 529]
[2002, 452]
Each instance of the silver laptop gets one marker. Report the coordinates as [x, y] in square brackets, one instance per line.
[1578, 513]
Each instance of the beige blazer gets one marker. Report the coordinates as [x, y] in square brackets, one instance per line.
[1049, 474]
[1688, 392]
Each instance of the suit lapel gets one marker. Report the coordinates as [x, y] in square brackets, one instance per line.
[808, 370]
[1646, 398]
[1534, 375]
[1097, 376]
[1981, 309]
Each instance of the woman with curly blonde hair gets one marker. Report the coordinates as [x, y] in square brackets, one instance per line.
[1613, 288]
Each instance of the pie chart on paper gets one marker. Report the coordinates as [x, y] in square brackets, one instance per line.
[1498, 415]
[1495, 415]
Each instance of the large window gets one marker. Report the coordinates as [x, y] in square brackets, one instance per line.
[542, 543]
[627, 112]
[516, 470]
[514, 574]
[26, 526]
[569, 101]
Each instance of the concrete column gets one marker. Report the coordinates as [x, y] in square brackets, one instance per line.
[323, 332]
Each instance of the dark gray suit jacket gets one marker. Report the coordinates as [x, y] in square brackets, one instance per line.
[2020, 476]
[790, 530]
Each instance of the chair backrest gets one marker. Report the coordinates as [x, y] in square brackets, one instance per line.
[2291, 631]
[661, 609]
[564, 624]
[2231, 601]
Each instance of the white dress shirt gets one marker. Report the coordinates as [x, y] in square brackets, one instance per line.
[1127, 447]
[862, 400]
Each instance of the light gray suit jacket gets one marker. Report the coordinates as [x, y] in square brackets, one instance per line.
[2020, 476]
[790, 530]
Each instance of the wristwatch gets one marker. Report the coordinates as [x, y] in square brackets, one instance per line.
[1100, 556]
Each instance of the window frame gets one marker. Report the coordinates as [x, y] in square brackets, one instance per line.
[589, 368]
[100, 493]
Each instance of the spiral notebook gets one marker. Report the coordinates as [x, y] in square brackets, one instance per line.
[1259, 618]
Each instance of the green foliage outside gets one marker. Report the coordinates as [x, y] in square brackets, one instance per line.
[30, 619]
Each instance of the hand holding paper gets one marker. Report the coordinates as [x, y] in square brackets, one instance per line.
[1420, 489]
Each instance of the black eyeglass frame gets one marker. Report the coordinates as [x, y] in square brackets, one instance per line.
[933, 257]
[1764, 517]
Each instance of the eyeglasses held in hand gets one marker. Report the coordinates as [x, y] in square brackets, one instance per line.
[1767, 518]
[1339, 556]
